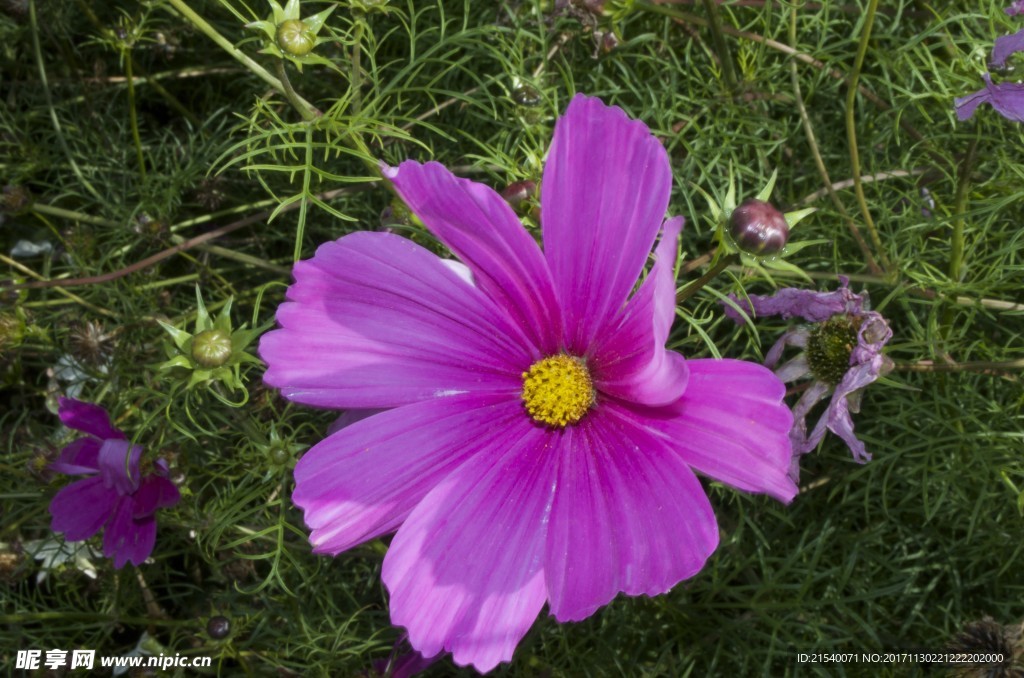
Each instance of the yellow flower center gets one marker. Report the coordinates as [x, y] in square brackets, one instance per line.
[557, 391]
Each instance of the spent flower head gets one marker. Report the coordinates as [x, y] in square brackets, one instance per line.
[535, 442]
[842, 354]
[292, 37]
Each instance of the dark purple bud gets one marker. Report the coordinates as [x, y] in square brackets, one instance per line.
[758, 227]
[517, 193]
[218, 627]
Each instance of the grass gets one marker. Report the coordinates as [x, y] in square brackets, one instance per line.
[156, 161]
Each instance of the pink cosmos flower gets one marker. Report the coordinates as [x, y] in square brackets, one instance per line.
[114, 496]
[539, 442]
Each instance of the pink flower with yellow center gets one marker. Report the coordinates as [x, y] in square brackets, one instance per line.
[538, 443]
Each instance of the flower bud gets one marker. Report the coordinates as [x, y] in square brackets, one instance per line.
[518, 193]
[211, 348]
[758, 227]
[218, 627]
[295, 38]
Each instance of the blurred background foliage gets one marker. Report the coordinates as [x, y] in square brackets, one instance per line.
[147, 148]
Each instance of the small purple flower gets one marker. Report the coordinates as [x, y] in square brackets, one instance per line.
[1006, 97]
[537, 442]
[114, 494]
[842, 352]
[1017, 8]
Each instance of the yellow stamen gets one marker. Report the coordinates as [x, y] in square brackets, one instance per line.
[557, 391]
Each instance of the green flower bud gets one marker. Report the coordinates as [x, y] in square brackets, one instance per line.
[211, 348]
[295, 38]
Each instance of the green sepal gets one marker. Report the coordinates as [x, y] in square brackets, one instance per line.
[182, 339]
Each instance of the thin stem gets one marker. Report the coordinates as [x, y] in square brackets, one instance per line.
[356, 71]
[710, 275]
[721, 49]
[305, 109]
[975, 366]
[851, 132]
[38, 53]
[956, 253]
[212, 33]
[55, 211]
[133, 118]
[816, 153]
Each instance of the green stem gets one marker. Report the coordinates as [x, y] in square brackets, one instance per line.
[305, 109]
[696, 285]
[721, 48]
[72, 215]
[212, 33]
[356, 72]
[38, 52]
[851, 132]
[133, 118]
[956, 254]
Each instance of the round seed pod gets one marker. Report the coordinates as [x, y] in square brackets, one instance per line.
[295, 38]
[211, 348]
[758, 227]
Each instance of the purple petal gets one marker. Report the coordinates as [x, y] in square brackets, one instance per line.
[87, 418]
[375, 320]
[1016, 8]
[119, 465]
[792, 302]
[154, 493]
[363, 481]
[127, 539]
[1005, 46]
[802, 444]
[78, 458]
[480, 228]
[628, 516]
[732, 425]
[631, 362]
[837, 418]
[1006, 97]
[82, 508]
[796, 336]
[604, 194]
[465, 571]
[874, 333]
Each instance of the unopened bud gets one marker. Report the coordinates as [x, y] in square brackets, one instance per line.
[211, 348]
[295, 38]
[758, 227]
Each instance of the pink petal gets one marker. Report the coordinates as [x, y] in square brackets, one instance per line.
[732, 425]
[480, 228]
[375, 320]
[465, 571]
[631, 362]
[628, 516]
[87, 418]
[82, 508]
[362, 481]
[604, 194]
[127, 539]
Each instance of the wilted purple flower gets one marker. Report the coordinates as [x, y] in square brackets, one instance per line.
[539, 442]
[1006, 97]
[842, 353]
[1016, 8]
[115, 495]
